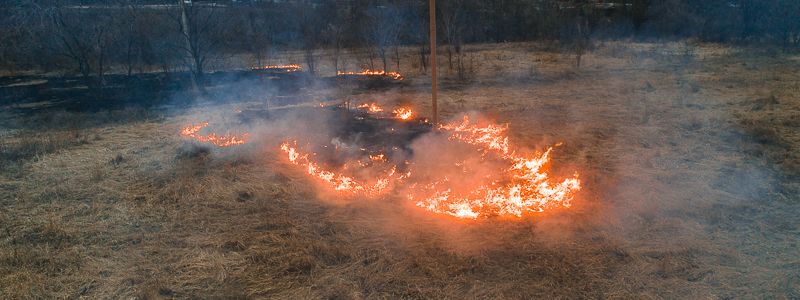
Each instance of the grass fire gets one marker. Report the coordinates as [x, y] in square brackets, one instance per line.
[226, 140]
[450, 149]
[520, 185]
[286, 68]
[373, 73]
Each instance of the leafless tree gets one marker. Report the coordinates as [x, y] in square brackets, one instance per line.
[453, 21]
[16, 26]
[581, 39]
[260, 29]
[311, 21]
[82, 36]
[132, 29]
[416, 13]
[198, 26]
[335, 32]
[90, 39]
[386, 24]
[787, 23]
[581, 32]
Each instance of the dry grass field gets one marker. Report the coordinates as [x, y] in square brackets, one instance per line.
[689, 157]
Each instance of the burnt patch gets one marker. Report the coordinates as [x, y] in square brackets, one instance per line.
[192, 151]
[244, 196]
[233, 246]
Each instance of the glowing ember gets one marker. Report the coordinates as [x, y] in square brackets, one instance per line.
[218, 140]
[368, 72]
[403, 113]
[287, 68]
[371, 107]
[520, 185]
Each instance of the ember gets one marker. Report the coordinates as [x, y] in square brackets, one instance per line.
[368, 72]
[226, 140]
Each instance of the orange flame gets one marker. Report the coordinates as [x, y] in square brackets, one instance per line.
[288, 68]
[403, 113]
[368, 72]
[341, 182]
[227, 140]
[491, 136]
[524, 187]
[371, 107]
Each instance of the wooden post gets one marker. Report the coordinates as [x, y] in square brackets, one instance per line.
[434, 105]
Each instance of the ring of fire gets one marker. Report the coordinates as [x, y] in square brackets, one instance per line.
[523, 186]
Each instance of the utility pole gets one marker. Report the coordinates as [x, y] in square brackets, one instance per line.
[434, 105]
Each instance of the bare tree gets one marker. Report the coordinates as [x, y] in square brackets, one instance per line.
[386, 23]
[134, 35]
[260, 29]
[786, 23]
[18, 25]
[454, 20]
[311, 22]
[196, 63]
[198, 25]
[415, 16]
[581, 33]
[131, 34]
[81, 36]
[334, 32]
[92, 38]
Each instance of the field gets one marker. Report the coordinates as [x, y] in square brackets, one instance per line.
[689, 157]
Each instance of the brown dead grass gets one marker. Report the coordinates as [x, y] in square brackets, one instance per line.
[689, 193]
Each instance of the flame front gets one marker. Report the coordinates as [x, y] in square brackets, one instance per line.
[491, 136]
[344, 183]
[227, 140]
[401, 113]
[522, 186]
[525, 188]
[371, 107]
[288, 68]
[368, 72]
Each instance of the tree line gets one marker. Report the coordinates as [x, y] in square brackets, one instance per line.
[90, 37]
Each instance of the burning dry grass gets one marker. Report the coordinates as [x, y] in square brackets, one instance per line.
[279, 68]
[373, 73]
[695, 200]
